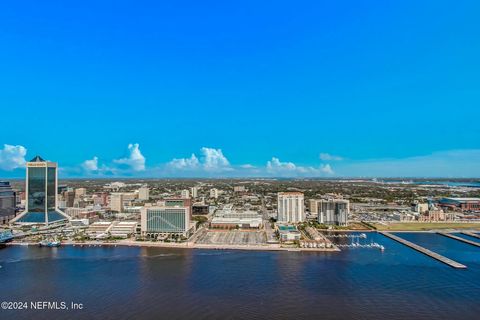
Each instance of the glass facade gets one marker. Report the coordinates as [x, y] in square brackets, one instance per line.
[36, 189]
[41, 194]
[51, 188]
[166, 220]
[7, 202]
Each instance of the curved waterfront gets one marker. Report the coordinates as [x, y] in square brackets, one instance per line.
[157, 283]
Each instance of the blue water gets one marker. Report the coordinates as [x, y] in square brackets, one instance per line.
[155, 283]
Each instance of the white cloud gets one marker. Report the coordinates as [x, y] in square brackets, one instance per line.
[90, 165]
[211, 160]
[276, 167]
[327, 169]
[214, 160]
[329, 157]
[12, 157]
[247, 166]
[136, 161]
[185, 163]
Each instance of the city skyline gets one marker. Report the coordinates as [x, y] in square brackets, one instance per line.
[213, 163]
[316, 90]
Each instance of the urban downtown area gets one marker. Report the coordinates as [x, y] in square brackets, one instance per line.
[246, 214]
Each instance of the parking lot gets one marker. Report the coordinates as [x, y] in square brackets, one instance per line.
[234, 237]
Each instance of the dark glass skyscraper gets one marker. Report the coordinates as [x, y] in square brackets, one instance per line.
[7, 202]
[41, 194]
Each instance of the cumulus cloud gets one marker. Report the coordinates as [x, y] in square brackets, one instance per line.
[12, 157]
[211, 160]
[214, 160]
[329, 157]
[135, 160]
[90, 165]
[276, 167]
[185, 163]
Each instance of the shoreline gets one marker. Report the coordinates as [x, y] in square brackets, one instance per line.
[181, 246]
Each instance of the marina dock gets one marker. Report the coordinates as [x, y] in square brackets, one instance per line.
[425, 251]
[471, 234]
[473, 243]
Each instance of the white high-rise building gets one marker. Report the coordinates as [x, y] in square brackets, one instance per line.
[290, 207]
[144, 193]
[194, 191]
[333, 212]
[214, 193]
[186, 194]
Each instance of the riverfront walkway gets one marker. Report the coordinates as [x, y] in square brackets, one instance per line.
[473, 243]
[425, 251]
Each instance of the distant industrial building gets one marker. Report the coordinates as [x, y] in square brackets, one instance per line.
[41, 195]
[333, 212]
[7, 202]
[290, 207]
[460, 204]
[160, 221]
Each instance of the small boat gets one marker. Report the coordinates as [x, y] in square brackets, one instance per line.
[50, 244]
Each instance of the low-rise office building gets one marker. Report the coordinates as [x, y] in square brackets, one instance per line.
[232, 219]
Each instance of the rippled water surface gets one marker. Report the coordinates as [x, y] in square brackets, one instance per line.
[154, 283]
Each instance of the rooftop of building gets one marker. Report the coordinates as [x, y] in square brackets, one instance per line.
[290, 193]
[37, 158]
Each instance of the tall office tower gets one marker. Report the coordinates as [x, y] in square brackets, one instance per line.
[185, 194]
[144, 193]
[41, 194]
[214, 193]
[194, 192]
[7, 202]
[290, 207]
[333, 212]
[164, 220]
[116, 202]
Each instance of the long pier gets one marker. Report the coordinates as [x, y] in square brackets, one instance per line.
[425, 251]
[473, 243]
[471, 234]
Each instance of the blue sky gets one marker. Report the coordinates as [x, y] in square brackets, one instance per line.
[254, 88]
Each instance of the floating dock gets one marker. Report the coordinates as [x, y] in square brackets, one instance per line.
[425, 251]
[471, 234]
[473, 243]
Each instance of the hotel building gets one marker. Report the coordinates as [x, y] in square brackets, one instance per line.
[165, 220]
